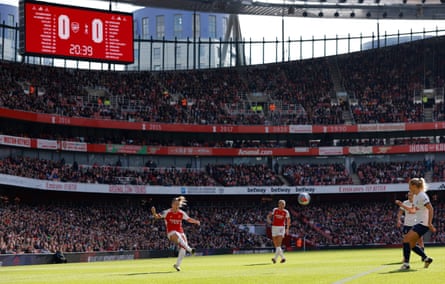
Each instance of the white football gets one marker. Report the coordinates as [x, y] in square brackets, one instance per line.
[304, 198]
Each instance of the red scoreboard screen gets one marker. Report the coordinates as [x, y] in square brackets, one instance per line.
[77, 33]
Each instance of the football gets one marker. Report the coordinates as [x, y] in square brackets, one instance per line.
[304, 198]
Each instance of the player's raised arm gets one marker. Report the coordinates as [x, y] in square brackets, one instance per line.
[194, 221]
[155, 214]
[399, 218]
[411, 210]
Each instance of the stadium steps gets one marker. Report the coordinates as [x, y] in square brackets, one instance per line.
[285, 182]
[428, 114]
[334, 72]
[428, 176]
[339, 94]
[355, 178]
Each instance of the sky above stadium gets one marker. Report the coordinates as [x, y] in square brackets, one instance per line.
[257, 27]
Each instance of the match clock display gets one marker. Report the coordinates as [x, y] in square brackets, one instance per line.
[55, 30]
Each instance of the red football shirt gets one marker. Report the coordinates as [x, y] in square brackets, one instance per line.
[279, 217]
[173, 220]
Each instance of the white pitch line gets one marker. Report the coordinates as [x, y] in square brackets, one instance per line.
[353, 277]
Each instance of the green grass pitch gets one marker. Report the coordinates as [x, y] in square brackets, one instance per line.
[373, 266]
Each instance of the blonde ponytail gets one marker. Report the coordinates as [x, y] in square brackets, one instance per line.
[420, 183]
[182, 201]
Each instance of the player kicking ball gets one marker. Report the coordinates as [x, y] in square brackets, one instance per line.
[173, 221]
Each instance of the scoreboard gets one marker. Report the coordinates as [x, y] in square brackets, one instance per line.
[62, 31]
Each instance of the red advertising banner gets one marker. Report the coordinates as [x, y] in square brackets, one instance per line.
[15, 141]
[191, 128]
[46, 144]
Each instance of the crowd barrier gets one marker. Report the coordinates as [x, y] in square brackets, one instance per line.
[34, 259]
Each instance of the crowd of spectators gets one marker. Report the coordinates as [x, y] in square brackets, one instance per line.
[354, 223]
[390, 172]
[294, 174]
[438, 171]
[226, 174]
[384, 83]
[85, 226]
[244, 175]
[316, 174]
[93, 224]
[381, 81]
[102, 174]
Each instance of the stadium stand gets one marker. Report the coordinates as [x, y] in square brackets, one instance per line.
[381, 89]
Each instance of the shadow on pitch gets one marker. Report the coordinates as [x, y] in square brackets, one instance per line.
[399, 271]
[394, 263]
[148, 273]
[258, 264]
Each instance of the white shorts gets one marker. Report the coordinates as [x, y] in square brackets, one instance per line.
[180, 235]
[278, 231]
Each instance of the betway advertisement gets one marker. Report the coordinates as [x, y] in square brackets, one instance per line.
[205, 190]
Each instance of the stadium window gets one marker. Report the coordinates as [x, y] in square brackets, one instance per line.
[196, 25]
[156, 53]
[10, 20]
[224, 25]
[160, 27]
[10, 23]
[212, 26]
[202, 50]
[145, 28]
[178, 52]
[178, 26]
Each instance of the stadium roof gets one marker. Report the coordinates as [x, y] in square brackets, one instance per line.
[366, 9]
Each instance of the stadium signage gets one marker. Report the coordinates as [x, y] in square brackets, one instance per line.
[138, 189]
[15, 141]
[300, 129]
[47, 144]
[74, 146]
[360, 150]
[363, 188]
[192, 128]
[305, 189]
[254, 152]
[423, 148]
[55, 30]
[256, 190]
[60, 186]
[200, 190]
[381, 127]
[329, 151]
[280, 189]
[126, 149]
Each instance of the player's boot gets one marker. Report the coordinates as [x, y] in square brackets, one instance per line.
[405, 266]
[283, 260]
[177, 267]
[427, 261]
[274, 260]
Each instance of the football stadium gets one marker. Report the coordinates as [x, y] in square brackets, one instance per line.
[154, 142]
